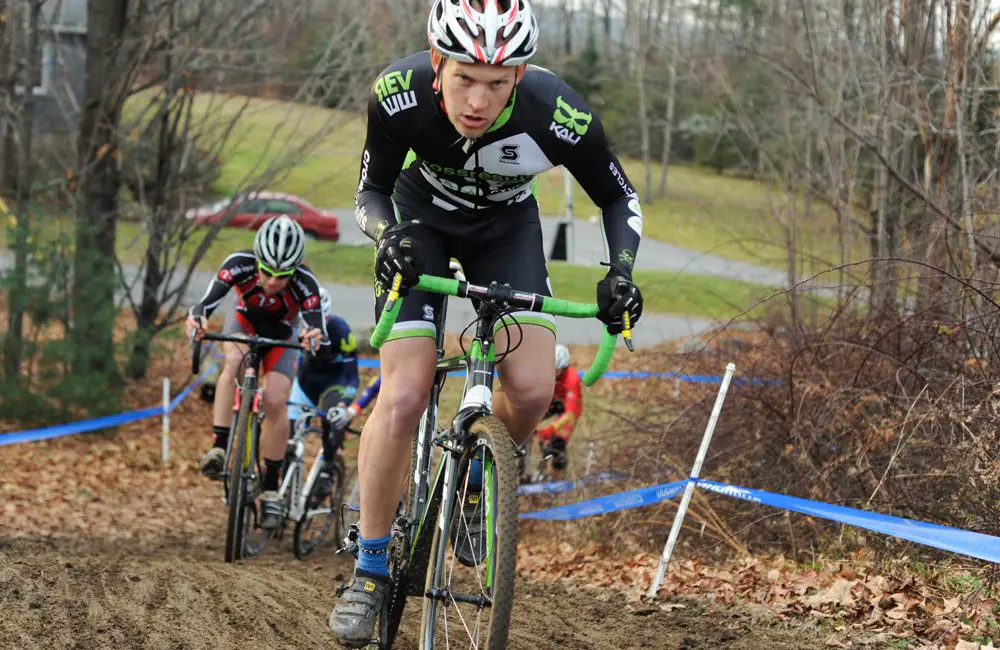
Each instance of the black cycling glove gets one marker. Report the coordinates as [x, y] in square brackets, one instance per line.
[616, 294]
[398, 253]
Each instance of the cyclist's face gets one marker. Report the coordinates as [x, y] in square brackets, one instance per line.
[271, 285]
[475, 94]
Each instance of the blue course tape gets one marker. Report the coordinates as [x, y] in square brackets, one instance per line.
[105, 422]
[181, 396]
[60, 430]
[978, 545]
[555, 487]
[611, 503]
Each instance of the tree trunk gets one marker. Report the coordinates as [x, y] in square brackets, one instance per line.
[640, 81]
[567, 16]
[22, 205]
[608, 7]
[95, 275]
[672, 49]
[6, 90]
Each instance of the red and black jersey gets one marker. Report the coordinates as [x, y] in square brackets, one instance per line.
[269, 315]
[567, 402]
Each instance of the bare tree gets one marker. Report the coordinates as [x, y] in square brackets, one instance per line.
[18, 287]
[671, 46]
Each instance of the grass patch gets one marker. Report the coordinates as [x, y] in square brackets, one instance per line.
[704, 211]
[664, 291]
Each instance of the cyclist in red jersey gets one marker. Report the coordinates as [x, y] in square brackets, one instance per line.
[273, 286]
[567, 404]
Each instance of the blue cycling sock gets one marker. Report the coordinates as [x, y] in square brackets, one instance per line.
[373, 558]
[475, 474]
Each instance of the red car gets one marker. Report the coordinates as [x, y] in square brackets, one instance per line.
[253, 209]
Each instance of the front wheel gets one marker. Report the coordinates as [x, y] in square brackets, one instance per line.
[322, 513]
[470, 606]
[240, 498]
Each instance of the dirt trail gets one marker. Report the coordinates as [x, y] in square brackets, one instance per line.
[81, 594]
[103, 547]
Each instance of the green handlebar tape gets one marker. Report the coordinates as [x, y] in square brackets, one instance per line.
[601, 361]
[435, 284]
[558, 307]
[385, 323]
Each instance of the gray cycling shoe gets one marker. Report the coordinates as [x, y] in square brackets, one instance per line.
[353, 619]
[273, 510]
[468, 533]
[213, 463]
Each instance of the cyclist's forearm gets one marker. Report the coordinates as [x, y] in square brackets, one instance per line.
[563, 426]
[375, 212]
[622, 228]
[213, 296]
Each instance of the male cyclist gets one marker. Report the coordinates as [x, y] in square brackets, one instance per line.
[481, 125]
[567, 405]
[327, 383]
[272, 286]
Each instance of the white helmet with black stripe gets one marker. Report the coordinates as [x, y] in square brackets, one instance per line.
[280, 243]
[562, 357]
[498, 32]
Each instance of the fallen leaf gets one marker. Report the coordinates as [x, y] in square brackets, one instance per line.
[969, 645]
[669, 607]
[839, 594]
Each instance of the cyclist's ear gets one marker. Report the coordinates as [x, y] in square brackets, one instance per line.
[520, 73]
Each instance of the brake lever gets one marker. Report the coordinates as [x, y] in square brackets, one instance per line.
[627, 331]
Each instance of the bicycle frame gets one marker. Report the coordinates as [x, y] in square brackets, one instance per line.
[293, 480]
[433, 502]
[248, 387]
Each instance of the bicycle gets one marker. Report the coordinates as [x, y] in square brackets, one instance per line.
[241, 482]
[304, 498]
[534, 465]
[418, 561]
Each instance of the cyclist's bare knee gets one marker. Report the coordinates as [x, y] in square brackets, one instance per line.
[275, 399]
[528, 373]
[407, 375]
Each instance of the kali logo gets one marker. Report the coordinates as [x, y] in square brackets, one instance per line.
[564, 134]
[508, 153]
[429, 313]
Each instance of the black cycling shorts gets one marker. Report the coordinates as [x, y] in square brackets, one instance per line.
[503, 246]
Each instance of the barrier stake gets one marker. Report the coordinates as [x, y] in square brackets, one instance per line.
[675, 530]
[165, 435]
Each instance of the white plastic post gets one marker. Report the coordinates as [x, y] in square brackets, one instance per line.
[675, 530]
[165, 435]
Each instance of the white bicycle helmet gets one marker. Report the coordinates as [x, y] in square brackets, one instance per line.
[280, 243]
[562, 356]
[502, 32]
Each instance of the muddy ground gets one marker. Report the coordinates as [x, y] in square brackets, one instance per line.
[79, 593]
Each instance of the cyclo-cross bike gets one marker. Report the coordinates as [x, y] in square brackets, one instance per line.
[242, 471]
[314, 507]
[464, 607]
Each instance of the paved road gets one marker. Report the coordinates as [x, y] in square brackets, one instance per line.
[588, 248]
[355, 304]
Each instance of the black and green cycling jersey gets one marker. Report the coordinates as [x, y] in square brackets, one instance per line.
[411, 147]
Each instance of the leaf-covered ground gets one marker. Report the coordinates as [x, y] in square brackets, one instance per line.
[102, 545]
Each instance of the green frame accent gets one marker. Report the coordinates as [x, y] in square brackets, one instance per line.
[490, 517]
